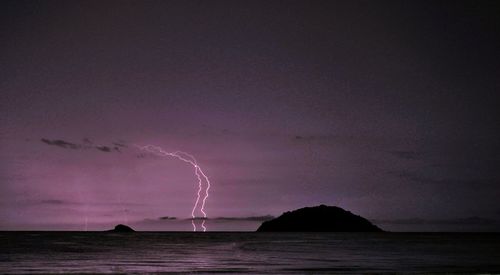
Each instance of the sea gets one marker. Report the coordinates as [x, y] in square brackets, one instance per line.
[249, 252]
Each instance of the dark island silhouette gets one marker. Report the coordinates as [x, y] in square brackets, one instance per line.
[122, 228]
[319, 219]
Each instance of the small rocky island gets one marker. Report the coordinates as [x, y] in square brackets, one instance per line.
[122, 228]
[319, 219]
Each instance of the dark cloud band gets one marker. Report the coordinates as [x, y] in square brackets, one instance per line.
[87, 144]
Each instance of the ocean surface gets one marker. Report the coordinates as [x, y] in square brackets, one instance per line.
[245, 252]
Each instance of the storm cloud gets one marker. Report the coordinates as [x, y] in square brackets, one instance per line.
[87, 144]
[62, 143]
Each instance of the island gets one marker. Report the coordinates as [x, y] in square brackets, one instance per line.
[319, 219]
[122, 228]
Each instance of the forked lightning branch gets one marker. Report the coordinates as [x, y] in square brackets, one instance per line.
[200, 175]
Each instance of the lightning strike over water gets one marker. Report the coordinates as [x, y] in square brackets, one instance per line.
[200, 175]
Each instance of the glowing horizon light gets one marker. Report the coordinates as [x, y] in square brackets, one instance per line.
[188, 158]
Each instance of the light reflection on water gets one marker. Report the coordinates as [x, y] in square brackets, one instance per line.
[101, 252]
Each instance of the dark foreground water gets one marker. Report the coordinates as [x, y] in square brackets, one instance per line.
[310, 253]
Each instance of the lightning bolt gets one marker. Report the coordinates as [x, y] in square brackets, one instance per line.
[200, 175]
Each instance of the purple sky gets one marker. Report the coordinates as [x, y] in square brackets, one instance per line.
[385, 108]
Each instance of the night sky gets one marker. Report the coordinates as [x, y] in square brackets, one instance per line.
[385, 108]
